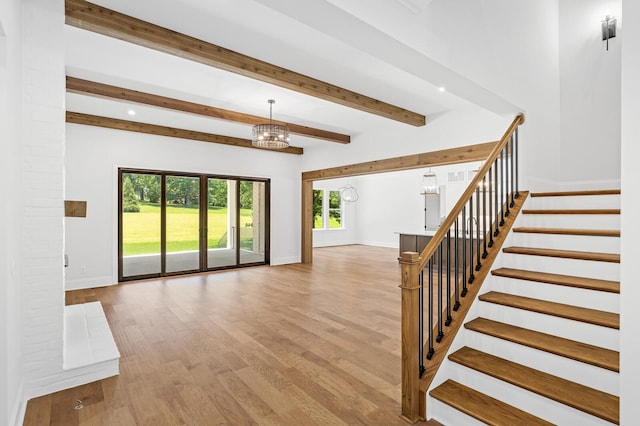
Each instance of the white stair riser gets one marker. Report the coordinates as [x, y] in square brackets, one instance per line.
[448, 415]
[574, 221]
[579, 372]
[569, 329]
[530, 402]
[592, 299]
[575, 202]
[567, 242]
[579, 268]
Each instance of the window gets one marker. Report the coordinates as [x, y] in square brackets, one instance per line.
[173, 223]
[327, 209]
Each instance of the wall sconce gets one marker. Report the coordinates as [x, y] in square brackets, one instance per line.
[608, 28]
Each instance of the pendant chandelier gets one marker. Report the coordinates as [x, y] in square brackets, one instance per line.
[272, 136]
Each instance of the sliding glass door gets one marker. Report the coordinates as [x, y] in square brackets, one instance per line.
[175, 223]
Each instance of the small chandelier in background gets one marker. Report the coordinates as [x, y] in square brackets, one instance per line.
[349, 194]
[273, 136]
[430, 183]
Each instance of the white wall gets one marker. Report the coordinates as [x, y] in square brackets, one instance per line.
[589, 94]
[510, 48]
[630, 226]
[10, 245]
[464, 126]
[93, 156]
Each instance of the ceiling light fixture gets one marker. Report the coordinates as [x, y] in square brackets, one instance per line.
[273, 136]
[131, 112]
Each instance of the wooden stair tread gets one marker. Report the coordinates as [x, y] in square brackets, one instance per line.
[591, 316]
[483, 407]
[568, 231]
[580, 397]
[578, 351]
[566, 280]
[571, 211]
[567, 254]
[576, 193]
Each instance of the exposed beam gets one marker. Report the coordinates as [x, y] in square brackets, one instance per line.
[108, 22]
[443, 157]
[86, 87]
[152, 129]
[461, 154]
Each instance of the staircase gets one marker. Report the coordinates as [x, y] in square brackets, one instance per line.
[540, 344]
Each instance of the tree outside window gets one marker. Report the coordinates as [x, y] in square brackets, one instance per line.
[327, 209]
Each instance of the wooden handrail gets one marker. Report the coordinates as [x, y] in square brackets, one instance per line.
[430, 249]
[414, 347]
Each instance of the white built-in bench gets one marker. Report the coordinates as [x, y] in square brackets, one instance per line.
[89, 346]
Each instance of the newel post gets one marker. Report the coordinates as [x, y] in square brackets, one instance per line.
[410, 338]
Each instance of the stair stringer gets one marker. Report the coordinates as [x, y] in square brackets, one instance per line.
[579, 372]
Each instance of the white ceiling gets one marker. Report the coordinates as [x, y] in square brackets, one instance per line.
[327, 43]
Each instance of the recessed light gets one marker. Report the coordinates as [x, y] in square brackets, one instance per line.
[131, 112]
[442, 89]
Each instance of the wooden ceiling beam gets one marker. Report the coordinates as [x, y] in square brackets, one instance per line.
[463, 154]
[86, 87]
[153, 129]
[108, 22]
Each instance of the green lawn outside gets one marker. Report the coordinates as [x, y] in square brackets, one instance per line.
[333, 223]
[142, 229]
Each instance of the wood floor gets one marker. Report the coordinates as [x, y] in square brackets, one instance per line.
[284, 345]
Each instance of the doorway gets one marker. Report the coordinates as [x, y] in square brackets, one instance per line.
[172, 223]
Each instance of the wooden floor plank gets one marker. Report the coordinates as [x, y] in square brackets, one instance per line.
[565, 280]
[483, 407]
[589, 400]
[565, 254]
[281, 345]
[579, 351]
[591, 316]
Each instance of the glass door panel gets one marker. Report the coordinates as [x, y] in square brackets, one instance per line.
[221, 223]
[140, 224]
[182, 203]
[252, 222]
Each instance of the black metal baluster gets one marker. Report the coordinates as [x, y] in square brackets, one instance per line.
[478, 263]
[507, 177]
[501, 187]
[513, 192]
[448, 296]
[421, 321]
[517, 149]
[440, 332]
[472, 277]
[490, 208]
[484, 216]
[430, 310]
[495, 198]
[456, 259]
[464, 252]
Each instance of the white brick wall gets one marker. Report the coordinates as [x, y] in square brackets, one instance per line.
[43, 92]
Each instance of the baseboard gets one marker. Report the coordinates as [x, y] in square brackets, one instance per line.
[335, 243]
[379, 244]
[93, 282]
[285, 260]
[19, 407]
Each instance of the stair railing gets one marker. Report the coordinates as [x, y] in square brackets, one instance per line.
[447, 265]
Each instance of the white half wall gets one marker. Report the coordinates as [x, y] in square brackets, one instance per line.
[93, 156]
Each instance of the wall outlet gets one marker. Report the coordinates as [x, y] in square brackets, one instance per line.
[83, 269]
